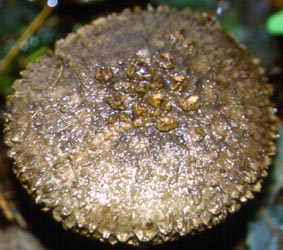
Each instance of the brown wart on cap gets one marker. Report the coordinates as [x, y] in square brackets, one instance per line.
[142, 126]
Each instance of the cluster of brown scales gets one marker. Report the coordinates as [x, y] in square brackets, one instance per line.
[142, 126]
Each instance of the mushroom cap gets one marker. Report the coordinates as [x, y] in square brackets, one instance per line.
[142, 126]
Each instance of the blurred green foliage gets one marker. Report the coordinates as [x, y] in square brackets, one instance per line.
[274, 24]
[15, 17]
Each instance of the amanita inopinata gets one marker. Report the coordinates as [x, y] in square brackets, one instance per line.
[142, 126]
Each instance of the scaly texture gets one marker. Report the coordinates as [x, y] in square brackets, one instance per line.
[142, 126]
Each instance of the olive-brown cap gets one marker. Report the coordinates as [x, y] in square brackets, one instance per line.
[142, 126]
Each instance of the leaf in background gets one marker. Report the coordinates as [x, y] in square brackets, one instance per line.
[37, 53]
[15, 18]
[231, 22]
[5, 86]
[276, 173]
[14, 238]
[274, 23]
[266, 232]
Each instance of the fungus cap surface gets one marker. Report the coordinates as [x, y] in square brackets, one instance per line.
[142, 126]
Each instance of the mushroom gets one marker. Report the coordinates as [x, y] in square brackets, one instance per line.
[142, 126]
